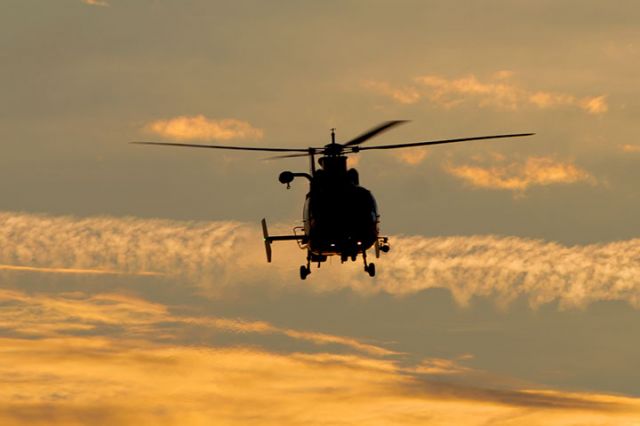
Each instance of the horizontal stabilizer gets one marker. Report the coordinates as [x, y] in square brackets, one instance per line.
[268, 239]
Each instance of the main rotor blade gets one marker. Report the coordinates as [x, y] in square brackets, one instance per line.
[310, 151]
[438, 142]
[277, 157]
[373, 132]
[239, 148]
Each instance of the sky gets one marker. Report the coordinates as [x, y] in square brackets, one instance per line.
[134, 287]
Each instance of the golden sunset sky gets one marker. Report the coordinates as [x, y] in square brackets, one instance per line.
[134, 288]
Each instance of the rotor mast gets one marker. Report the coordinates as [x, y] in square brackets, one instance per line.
[333, 159]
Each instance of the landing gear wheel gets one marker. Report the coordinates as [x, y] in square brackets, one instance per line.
[371, 269]
[304, 272]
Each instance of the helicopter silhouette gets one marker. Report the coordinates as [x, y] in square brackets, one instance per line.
[340, 217]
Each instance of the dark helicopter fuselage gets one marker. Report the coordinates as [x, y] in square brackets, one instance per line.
[340, 216]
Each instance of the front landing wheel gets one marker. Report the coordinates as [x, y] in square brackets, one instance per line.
[304, 272]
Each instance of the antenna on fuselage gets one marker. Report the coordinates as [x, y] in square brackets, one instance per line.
[333, 135]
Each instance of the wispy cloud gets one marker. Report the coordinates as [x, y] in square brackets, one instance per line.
[404, 95]
[216, 257]
[52, 316]
[112, 359]
[440, 366]
[126, 245]
[74, 271]
[507, 268]
[199, 127]
[519, 176]
[104, 381]
[496, 92]
[102, 3]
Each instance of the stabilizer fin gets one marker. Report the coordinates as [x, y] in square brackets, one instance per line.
[267, 239]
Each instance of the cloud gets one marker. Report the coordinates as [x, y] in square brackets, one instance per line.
[47, 316]
[199, 127]
[74, 271]
[113, 359]
[353, 161]
[440, 366]
[96, 2]
[102, 381]
[594, 105]
[412, 157]
[519, 176]
[403, 95]
[508, 267]
[194, 250]
[630, 148]
[496, 92]
[218, 257]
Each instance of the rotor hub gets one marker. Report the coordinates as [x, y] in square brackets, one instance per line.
[333, 149]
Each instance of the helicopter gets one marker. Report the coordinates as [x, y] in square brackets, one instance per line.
[340, 217]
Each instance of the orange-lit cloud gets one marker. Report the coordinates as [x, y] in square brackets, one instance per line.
[199, 127]
[519, 176]
[60, 367]
[413, 157]
[403, 95]
[96, 2]
[42, 315]
[74, 271]
[353, 161]
[440, 366]
[496, 92]
[630, 148]
[217, 258]
[83, 380]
